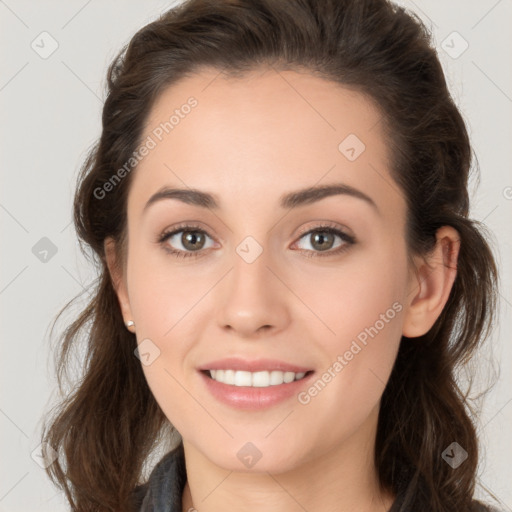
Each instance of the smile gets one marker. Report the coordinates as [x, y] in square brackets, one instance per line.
[245, 390]
[262, 379]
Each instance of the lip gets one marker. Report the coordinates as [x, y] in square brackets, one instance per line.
[253, 398]
[257, 365]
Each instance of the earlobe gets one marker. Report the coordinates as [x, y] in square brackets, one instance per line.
[432, 284]
[117, 278]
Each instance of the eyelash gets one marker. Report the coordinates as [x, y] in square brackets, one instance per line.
[326, 228]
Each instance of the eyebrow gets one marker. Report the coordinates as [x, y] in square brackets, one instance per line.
[290, 200]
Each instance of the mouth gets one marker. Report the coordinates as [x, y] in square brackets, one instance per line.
[259, 379]
[253, 384]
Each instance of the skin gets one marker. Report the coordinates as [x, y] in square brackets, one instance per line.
[249, 141]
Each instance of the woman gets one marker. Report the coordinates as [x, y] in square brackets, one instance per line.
[239, 137]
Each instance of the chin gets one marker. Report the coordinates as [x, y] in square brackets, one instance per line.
[253, 457]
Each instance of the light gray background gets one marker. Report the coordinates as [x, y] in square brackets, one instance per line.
[51, 111]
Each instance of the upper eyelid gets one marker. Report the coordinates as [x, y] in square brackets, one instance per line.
[304, 231]
[324, 225]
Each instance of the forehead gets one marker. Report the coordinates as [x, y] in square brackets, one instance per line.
[269, 131]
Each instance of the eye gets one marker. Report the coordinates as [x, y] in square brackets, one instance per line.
[191, 239]
[322, 238]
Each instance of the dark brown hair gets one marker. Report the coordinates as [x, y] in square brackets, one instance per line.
[105, 429]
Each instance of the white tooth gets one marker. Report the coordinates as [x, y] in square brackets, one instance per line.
[276, 378]
[229, 377]
[243, 378]
[289, 377]
[260, 379]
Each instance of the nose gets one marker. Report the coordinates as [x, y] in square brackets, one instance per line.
[253, 298]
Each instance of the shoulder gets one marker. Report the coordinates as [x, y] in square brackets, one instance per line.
[478, 506]
[164, 487]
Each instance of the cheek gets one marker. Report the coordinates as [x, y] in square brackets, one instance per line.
[166, 304]
[363, 308]
[163, 295]
[366, 293]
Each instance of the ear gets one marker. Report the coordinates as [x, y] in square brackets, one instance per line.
[117, 277]
[431, 285]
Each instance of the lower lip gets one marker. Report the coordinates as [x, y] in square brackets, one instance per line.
[250, 398]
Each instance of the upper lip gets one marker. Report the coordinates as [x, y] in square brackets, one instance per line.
[257, 365]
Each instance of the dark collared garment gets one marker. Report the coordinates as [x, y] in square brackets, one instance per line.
[164, 488]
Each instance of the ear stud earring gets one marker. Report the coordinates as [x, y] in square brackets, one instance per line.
[130, 324]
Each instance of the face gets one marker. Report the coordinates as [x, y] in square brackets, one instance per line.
[258, 280]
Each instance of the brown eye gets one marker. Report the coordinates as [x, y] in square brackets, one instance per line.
[323, 239]
[192, 240]
[185, 241]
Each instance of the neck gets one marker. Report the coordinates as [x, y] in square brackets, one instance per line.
[340, 480]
